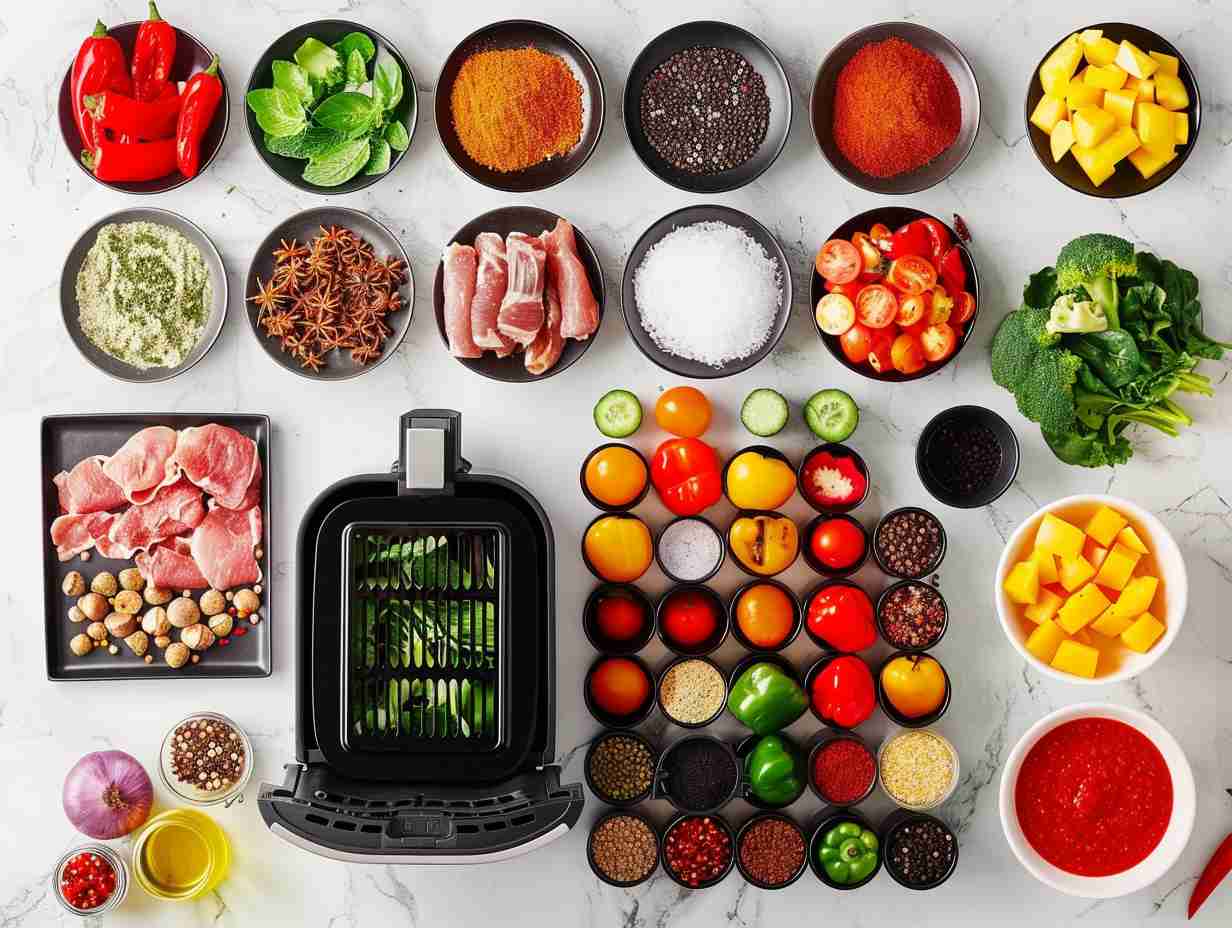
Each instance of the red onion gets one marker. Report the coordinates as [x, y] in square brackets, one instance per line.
[107, 794]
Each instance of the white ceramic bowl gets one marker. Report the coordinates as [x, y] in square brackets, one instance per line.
[1175, 583]
[1158, 862]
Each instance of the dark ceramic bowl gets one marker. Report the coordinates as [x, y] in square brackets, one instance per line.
[826, 739]
[821, 107]
[586, 558]
[834, 573]
[302, 227]
[760, 657]
[691, 215]
[283, 48]
[808, 601]
[590, 849]
[744, 748]
[811, 677]
[692, 726]
[744, 829]
[765, 451]
[837, 450]
[906, 721]
[717, 35]
[929, 456]
[523, 33]
[715, 639]
[708, 574]
[827, 822]
[664, 773]
[590, 620]
[590, 752]
[748, 514]
[880, 613]
[731, 837]
[608, 507]
[620, 721]
[733, 615]
[892, 827]
[893, 217]
[532, 221]
[1125, 181]
[190, 57]
[936, 563]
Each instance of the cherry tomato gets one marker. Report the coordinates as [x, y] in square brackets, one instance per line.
[839, 261]
[855, 343]
[620, 618]
[964, 308]
[938, 238]
[879, 351]
[876, 306]
[851, 289]
[910, 240]
[683, 411]
[951, 270]
[615, 475]
[938, 341]
[907, 355]
[837, 543]
[940, 308]
[880, 234]
[689, 618]
[874, 260]
[619, 686]
[912, 274]
[835, 314]
[911, 309]
[765, 615]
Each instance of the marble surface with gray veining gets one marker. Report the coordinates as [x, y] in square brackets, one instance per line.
[539, 432]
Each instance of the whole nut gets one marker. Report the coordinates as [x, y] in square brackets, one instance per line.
[138, 642]
[157, 596]
[81, 645]
[105, 583]
[154, 622]
[113, 649]
[131, 579]
[74, 584]
[213, 602]
[176, 654]
[183, 613]
[161, 641]
[76, 615]
[94, 606]
[128, 601]
[247, 601]
[221, 624]
[97, 631]
[120, 624]
[198, 637]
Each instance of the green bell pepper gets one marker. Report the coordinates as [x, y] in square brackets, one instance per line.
[765, 698]
[774, 771]
[848, 853]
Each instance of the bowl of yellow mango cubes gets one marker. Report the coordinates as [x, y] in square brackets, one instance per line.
[1091, 589]
[1113, 110]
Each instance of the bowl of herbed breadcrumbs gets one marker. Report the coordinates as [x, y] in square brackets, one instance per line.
[623, 849]
[918, 769]
[619, 767]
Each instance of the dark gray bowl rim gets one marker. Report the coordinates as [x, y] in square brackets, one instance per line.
[764, 816]
[980, 414]
[616, 648]
[697, 517]
[590, 752]
[663, 774]
[890, 827]
[734, 622]
[590, 847]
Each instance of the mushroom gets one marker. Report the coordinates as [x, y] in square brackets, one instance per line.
[221, 624]
[176, 654]
[128, 601]
[74, 584]
[105, 583]
[94, 606]
[213, 602]
[154, 622]
[81, 645]
[157, 596]
[183, 612]
[120, 624]
[138, 642]
[198, 637]
[76, 615]
[97, 631]
[161, 641]
[131, 579]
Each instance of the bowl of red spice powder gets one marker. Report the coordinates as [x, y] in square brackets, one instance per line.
[895, 108]
[842, 770]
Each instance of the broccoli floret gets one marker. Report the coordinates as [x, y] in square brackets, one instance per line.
[1070, 314]
[1089, 257]
[1027, 361]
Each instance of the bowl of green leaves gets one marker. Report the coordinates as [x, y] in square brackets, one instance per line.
[331, 106]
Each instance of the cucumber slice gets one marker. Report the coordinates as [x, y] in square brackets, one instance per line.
[618, 413]
[764, 412]
[832, 415]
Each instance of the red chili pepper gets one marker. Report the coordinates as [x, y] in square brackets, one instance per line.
[99, 66]
[686, 475]
[137, 119]
[1220, 866]
[130, 161]
[201, 97]
[153, 54]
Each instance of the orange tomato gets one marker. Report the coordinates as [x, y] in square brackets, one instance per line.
[683, 411]
[907, 355]
[912, 308]
[615, 475]
[964, 308]
[765, 615]
[619, 686]
[912, 274]
[874, 260]
[938, 342]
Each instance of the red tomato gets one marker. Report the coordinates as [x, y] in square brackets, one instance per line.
[938, 341]
[876, 306]
[879, 356]
[912, 274]
[851, 289]
[910, 240]
[880, 234]
[689, 618]
[874, 260]
[938, 238]
[837, 543]
[835, 314]
[911, 309]
[683, 411]
[686, 475]
[620, 618]
[855, 343]
[964, 308]
[839, 261]
[951, 270]
[842, 616]
[907, 355]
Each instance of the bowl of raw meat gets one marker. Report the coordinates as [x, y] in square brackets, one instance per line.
[518, 294]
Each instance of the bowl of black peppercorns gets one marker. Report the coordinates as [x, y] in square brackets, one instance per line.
[967, 456]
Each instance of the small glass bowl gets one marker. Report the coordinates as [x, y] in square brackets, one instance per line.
[201, 797]
[949, 790]
[117, 864]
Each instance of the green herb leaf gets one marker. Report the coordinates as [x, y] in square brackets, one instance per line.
[378, 161]
[320, 61]
[278, 113]
[387, 75]
[312, 142]
[351, 113]
[356, 70]
[396, 136]
[1113, 355]
[356, 41]
[339, 165]
[293, 79]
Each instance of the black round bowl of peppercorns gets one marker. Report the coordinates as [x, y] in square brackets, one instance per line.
[967, 456]
[921, 852]
[912, 615]
[909, 543]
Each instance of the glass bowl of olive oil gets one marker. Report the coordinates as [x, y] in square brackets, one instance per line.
[181, 854]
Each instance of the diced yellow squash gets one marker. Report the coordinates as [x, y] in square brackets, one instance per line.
[1104, 525]
[1170, 93]
[1087, 36]
[1111, 623]
[1143, 633]
[1060, 66]
[1044, 640]
[1094, 553]
[1118, 146]
[1080, 93]
[1180, 122]
[1048, 112]
[1061, 140]
[1022, 583]
[1120, 103]
[1106, 77]
[1144, 89]
[1078, 659]
[1129, 538]
[1075, 571]
[1148, 160]
[1117, 568]
[1056, 536]
[1046, 605]
[1082, 608]
[1137, 596]
[1100, 52]
[1092, 125]
[1168, 64]
[1155, 126]
[1047, 564]
[1096, 168]
[1134, 60]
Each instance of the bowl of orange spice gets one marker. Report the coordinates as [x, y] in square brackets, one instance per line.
[519, 105]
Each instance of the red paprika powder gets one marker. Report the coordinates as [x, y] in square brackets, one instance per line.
[843, 771]
[895, 108]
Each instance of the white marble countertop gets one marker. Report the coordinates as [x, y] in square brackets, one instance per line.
[539, 432]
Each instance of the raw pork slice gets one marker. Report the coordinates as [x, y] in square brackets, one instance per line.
[86, 488]
[491, 280]
[544, 351]
[459, 283]
[76, 532]
[171, 567]
[521, 312]
[222, 547]
[579, 310]
[219, 460]
[144, 463]
[174, 510]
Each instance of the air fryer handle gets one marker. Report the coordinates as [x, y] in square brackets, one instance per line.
[430, 451]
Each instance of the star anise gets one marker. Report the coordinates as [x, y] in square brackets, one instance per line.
[290, 252]
[279, 323]
[267, 298]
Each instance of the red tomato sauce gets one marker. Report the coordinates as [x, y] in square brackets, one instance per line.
[1094, 797]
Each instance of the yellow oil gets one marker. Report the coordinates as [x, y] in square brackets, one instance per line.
[181, 854]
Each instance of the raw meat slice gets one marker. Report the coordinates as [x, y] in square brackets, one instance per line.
[521, 312]
[543, 353]
[73, 533]
[219, 460]
[174, 510]
[579, 309]
[491, 280]
[144, 463]
[459, 283]
[222, 547]
[169, 567]
[87, 488]
[253, 495]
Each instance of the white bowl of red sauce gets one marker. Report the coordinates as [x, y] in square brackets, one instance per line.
[1097, 800]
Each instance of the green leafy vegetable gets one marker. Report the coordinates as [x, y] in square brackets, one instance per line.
[378, 160]
[338, 166]
[356, 69]
[387, 76]
[356, 41]
[312, 142]
[321, 61]
[293, 79]
[277, 112]
[351, 113]
[396, 136]
[1112, 354]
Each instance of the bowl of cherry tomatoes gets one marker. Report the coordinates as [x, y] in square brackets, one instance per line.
[895, 293]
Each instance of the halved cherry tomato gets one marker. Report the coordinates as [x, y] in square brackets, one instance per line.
[835, 314]
[683, 411]
[941, 307]
[938, 341]
[964, 308]
[880, 356]
[907, 355]
[911, 308]
[912, 274]
[874, 261]
[855, 343]
[880, 234]
[851, 289]
[938, 237]
[910, 240]
[876, 306]
[951, 270]
[839, 261]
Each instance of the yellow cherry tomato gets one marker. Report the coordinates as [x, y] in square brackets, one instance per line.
[914, 684]
[615, 475]
[758, 481]
[764, 544]
[618, 548]
[765, 615]
[683, 411]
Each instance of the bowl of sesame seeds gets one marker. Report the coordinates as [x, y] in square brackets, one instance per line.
[206, 759]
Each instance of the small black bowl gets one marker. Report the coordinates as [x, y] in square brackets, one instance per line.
[586, 558]
[881, 603]
[523, 33]
[836, 450]
[892, 827]
[623, 733]
[691, 215]
[731, 550]
[941, 551]
[826, 585]
[716, 637]
[834, 573]
[763, 657]
[744, 748]
[704, 577]
[692, 726]
[765, 451]
[191, 56]
[892, 713]
[608, 507]
[731, 861]
[1125, 181]
[826, 739]
[663, 773]
[620, 721]
[718, 35]
[747, 826]
[590, 849]
[930, 455]
[283, 48]
[823, 826]
[734, 620]
[590, 620]
[810, 678]
[532, 221]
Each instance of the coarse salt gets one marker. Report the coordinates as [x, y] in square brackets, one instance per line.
[690, 549]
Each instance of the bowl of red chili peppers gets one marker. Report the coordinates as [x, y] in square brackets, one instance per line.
[143, 107]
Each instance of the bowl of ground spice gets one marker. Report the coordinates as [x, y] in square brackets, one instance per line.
[770, 851]
[698, 774]
[842, 770]
[967, 456]
[698, 850]
[912, 615]
[519, 105]
[895, 108]
[623, 849]
[921, 852]
[909, 543]
[619, 767]
[692, 691]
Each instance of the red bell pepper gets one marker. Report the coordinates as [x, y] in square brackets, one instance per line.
[99, 66]
[153, 55]
[939, 239]
[842, 616]
[911, 239]
[136, 119]
[202, 94]
[1219, 867]
[130, 161]
[951, 270]
[686, 475]
[844, 692]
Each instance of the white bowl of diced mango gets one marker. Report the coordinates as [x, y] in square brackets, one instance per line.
[1091, 589]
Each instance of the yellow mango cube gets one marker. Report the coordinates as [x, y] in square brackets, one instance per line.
[1118, 146]
[1168, 64]
[1145, 90]
[1044, 640]
[1078, 659]
[1135, 61]
[1087, 36]
[1056, 536]
[1092, 125]
[1137, 596]
[1145, 631]
[1111, 623]
[1046, 605]
[1117, 568]
[1170, 93]
[1120, 103]
[1148, 160]
[1100, 52]
[1083, 636]
[1129, 538]
[1096, 168]
[1082, 608]
[1080, 93]
[1155, 127]
[1104, 525]
[1180, 121]
[1094, 553]
[1060, 66]
[1075, 571]
[1061, 140]
[1047, 565]
[1048, 112]
[1106, 77]
[1022, 583]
